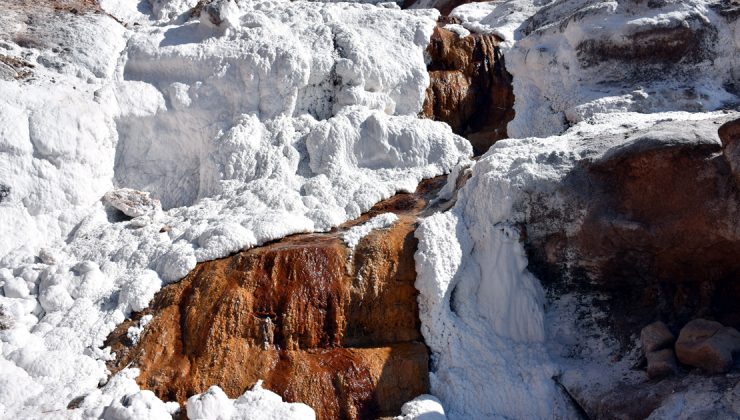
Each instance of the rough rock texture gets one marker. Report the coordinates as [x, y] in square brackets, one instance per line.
[661, 363]
[333, 328]
[132, 203]
[707, 345]
[651, 225]
[730, 135]
[676, 397]
[656, 336]
[470, 88]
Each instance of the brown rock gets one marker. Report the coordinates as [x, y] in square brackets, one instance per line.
[652, 226]
[707, 345]
[340, 334]
[656, 336]
[661, 363]
[469, 87]
[729, 133]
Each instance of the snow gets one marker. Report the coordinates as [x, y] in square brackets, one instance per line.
[276, 118]
[423, 407]
[257, 404]
[354, 235]
[134, 332]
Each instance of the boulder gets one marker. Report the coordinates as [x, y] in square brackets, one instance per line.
[661, 363]
[132, 203]
[707, 345]
[656, 336]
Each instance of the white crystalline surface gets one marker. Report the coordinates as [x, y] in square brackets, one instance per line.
[354, 235]
[423, 407]
[255, 404]
[574, 59]
[285, 117]
[483, 314]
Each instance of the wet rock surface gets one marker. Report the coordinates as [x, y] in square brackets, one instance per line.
[469, 88]
[320, 324]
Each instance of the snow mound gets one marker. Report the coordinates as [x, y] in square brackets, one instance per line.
[423, 407]
[255, 404]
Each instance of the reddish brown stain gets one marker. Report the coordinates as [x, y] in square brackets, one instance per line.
[334, 328]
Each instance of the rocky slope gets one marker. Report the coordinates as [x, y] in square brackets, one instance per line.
[332, 326]
[180, 159]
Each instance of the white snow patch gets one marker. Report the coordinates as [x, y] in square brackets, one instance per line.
[255, 404]
[423, 407]
[134, 332]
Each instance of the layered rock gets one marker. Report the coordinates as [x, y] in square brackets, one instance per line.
[469, 87]
[332, 327]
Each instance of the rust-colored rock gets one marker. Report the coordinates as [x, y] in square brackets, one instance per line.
[656, 336]
[469, 88]
[321, 324]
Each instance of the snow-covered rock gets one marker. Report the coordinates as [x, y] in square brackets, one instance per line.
[132, 203]
[573, 59]
[495, 344]
[292, 117]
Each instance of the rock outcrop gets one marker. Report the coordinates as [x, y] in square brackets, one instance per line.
[469, 87]
[321, 324]
[655, 231]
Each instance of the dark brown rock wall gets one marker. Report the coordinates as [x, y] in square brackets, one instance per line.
[470, 88]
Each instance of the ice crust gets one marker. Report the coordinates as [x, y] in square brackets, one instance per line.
[271, 118]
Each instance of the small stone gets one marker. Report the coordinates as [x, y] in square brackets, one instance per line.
[131, 202]
[656, 336]
[661, 363]
[707, 345]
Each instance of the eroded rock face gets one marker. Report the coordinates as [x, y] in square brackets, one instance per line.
[320, 324]
[653, 225]
[470, 88]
